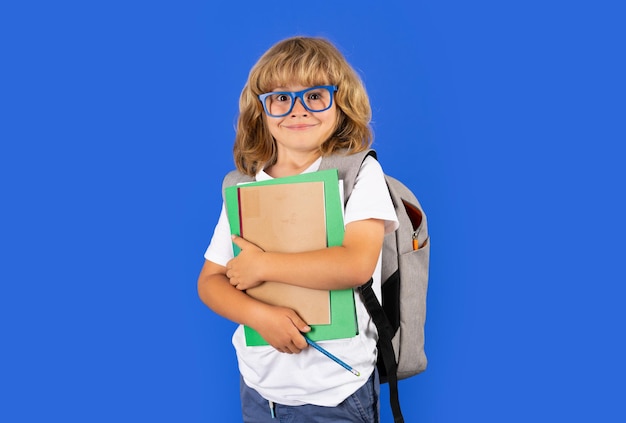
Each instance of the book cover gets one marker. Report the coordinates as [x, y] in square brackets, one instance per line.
[287, 218]
[342, 309]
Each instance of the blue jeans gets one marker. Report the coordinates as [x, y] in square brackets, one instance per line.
[361, 406]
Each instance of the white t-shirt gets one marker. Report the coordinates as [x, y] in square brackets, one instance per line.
[310, 377]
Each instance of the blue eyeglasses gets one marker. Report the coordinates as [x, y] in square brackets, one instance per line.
[314, 99]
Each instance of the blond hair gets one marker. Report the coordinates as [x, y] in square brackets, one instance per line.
[306, 61]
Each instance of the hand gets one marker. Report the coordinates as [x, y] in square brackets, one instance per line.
[243, 270]
[282, 328]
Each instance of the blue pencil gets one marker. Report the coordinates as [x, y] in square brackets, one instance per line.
[332, 357]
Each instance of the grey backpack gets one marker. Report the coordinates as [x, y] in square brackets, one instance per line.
[406, 252]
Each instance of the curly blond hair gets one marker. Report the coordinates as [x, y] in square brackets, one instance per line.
[306, 61]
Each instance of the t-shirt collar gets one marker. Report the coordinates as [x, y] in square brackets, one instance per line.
[262, 176]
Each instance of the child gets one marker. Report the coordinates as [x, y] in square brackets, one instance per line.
[321, 107]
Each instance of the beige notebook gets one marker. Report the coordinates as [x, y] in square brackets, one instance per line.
[287, 218]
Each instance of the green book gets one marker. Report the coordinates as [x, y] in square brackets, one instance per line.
[342, 319]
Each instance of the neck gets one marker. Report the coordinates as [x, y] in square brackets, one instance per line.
[289, 165]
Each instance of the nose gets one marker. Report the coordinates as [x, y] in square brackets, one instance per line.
[298, 108]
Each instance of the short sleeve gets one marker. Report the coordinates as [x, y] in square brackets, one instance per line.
[220, 250]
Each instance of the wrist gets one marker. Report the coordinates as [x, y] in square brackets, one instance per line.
[264, 269]
[258, 315]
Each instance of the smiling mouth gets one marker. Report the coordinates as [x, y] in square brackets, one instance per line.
[299, 127]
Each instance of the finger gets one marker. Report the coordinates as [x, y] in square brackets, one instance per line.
[299, 323]
[239, 241]
[293, 348]
[300, 343]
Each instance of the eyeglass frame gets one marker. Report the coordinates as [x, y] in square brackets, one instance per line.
[298, 95]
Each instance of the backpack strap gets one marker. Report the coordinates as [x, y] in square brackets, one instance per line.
[234, 177]
[348, 166]
[385, 346]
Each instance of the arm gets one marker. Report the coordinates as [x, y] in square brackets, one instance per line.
[279, 326]
[346, 266]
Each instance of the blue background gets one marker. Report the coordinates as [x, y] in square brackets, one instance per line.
[116, 127]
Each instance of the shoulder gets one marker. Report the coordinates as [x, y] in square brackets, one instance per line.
[371, 164]
[370, 198]
[370, 172]
[348, 165]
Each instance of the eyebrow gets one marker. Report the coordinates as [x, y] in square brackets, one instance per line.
[306, 87]
[286, 89]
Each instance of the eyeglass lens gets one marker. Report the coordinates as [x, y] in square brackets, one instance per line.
[316, 100]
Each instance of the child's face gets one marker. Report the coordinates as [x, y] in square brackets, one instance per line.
[301, 130]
